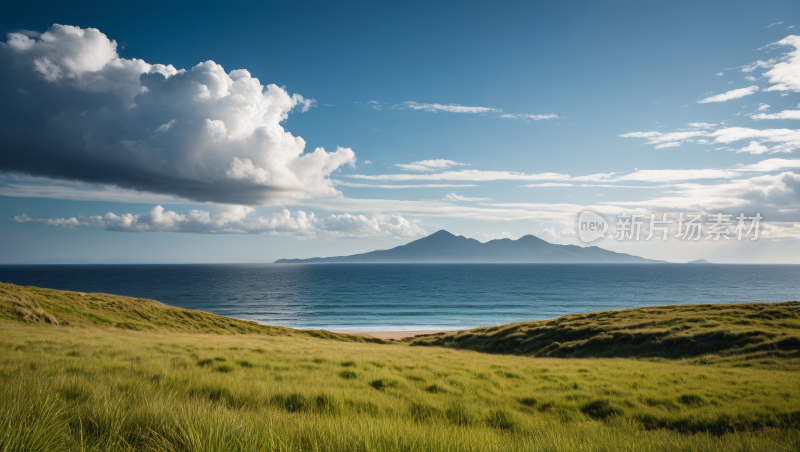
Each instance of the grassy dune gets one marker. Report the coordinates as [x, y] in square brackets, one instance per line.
[738, 334]
[165, 386]
[60, 307]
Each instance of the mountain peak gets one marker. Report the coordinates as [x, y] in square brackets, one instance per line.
[531, 238]
[443, 246]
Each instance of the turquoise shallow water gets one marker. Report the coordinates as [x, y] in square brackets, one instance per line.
[390, 297]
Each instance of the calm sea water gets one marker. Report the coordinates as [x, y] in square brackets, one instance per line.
[417, 296]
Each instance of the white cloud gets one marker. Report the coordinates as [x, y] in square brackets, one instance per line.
[784, 72]
[787, 139]
[750, 78]
[350, 184]
[754, 148]
[720, 73]
[669, 139]
[769, 165]
[232, 220]
[375, 104]
[166, 127]
[89, 112]
[701, 125]
[547, 184]
[730, 95]
[772, 25]
[761, 193]
[455, 197]
[678, 175]
[429, 165]
[533, 117]
[465, 175]
[65, 223]
[452, 108]
[245, 169]
[763, 107]
[786, 114]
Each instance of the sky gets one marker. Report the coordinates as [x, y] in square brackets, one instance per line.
[204, 133]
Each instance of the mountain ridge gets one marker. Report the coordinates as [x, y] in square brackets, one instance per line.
[445, 247]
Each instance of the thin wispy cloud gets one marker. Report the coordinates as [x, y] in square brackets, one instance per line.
[786, 114]
[455, 197]
[730, 95]
[533, 117]
[452, 108]
[394, 186]
[429, 165]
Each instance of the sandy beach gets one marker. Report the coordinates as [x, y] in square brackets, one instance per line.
[396, 335]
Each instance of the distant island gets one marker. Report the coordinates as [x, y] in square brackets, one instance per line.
[699, 261]
[444, 247]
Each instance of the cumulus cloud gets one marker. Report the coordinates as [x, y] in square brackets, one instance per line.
[730, 95]
[65, 223]
[429, 165]
[452, 108]
[784, 72]
[233, 220]
[204, 134]
[701, 125]
[455, 197]
[754, 148]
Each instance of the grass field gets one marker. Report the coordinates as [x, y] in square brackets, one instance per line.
[76, 382]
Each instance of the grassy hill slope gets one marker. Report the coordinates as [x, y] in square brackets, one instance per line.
[59, 307]
[75, 376]
[735, 331]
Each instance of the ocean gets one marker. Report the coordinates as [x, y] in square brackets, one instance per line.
[395, 297]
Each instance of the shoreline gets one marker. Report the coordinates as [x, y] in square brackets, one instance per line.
[387, 335]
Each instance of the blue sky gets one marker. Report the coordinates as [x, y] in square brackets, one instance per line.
[491, 97]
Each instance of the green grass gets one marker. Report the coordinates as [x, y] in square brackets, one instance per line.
[59, 307]
[764, 334]
[92, 386]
